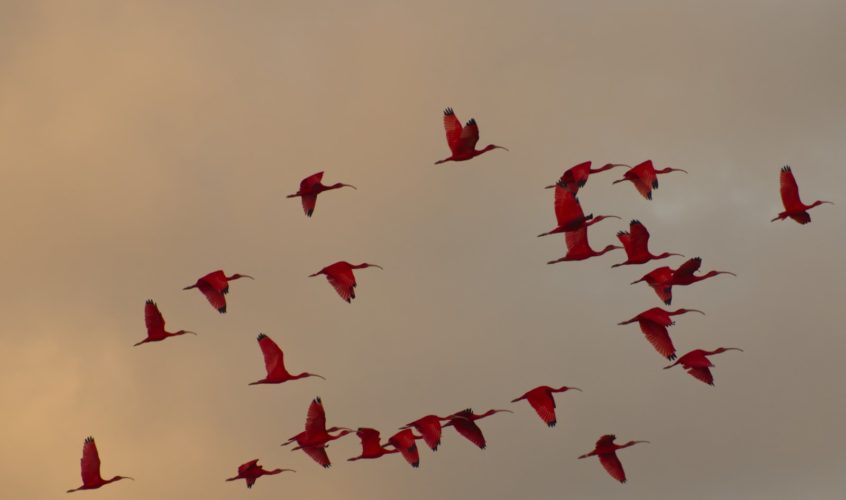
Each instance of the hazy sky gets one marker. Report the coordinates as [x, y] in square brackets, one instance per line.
[144, 144]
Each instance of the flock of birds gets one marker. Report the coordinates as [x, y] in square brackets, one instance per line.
[571, 221]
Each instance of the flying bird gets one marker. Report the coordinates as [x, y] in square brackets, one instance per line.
[645, 177]
[251, 471]
[464, 422]
[430, 428]
[542, 400]
[274, 363]
[606, 450]
[90, 465]
[215, 286]
[636, 244]
[404, 442]
[340, 275]
[156, 324]
[653, 323]
[312, 186]
[698, 365]
[370, 445]
[663, 279]
[578, 247]
[462, 141]
[315, 436]
[569, 213]
[576, 176]
[793, 206]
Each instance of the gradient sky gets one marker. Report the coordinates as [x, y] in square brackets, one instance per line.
[145, 144]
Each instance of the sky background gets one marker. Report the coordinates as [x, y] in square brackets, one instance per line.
[144, 144]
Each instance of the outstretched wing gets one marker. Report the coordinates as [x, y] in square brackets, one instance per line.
[309, 202]
[217, 280]
[214, 296]
[701, 373]
[307, 185]
[316, 418]
[247, 466]
[154, 319]
[613, 466]
[430, 429]
[789, 189]
[343, 280]
[658, 336]
[469, 136]
[453, 130]
[318, 454]
[686, 270]
[90, 462]
[274, 358]
[576, 240]
[470, 431]
[640, 236]
[369, 441]
[567, 206]
[544, 405]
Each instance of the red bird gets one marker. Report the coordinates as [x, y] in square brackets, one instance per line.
[214, 286]
[274, 363]
[698, 365]
[654, 323]
[312, 186]
[156, 323]
[370, 445]
[636, 244]
[569, 214]
[607, 452]
[251, 471]
[404, 442]
[464, 422]
[543, 402]
[462, 141]
[315, 436]
[430, 428]
[576, 176]
[90, 464]
[793, 206]
[663, 279]
[340, 275]
[645, 178]
[578, 247]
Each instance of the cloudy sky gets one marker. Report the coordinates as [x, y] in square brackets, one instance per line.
[145, 144]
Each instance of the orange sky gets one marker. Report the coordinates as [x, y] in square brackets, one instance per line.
[144, 145]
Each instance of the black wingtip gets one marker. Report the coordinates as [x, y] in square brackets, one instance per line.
[150, 301]
[222, 310]
[448, 111]
[472, 121]
[552, 424]
[261, 336]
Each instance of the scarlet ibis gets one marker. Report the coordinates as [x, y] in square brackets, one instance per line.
[340, 275]
[214, 286]
[653, 323]
[606, 449]
[156, 323]
[251, 471]
[370, 445]
[430, 428]
[569, 214]
[404, 442]
[543, 401]
[462, 141]
[274, 363]
[793, 206]
[464, 422]
[90, 465]
[663, 279]
[576, 176]
[636, 244]
[578, 247]
[315, 436]
[312, 186]
[698, 365]
[644, 176]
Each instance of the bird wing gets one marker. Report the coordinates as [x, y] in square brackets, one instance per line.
[686, 270]
[664, 292]
[640, 236]
[453, 130]
[408, 449]
[430, 429]
[567, 206]
[613, 466]
[316, 418]
[642, 187]
[309, 202]
[213, 295]
[318, 454]
[657, 315]
[90, 462]
[702, 373]
[274, 358]
[369, 441]
[544, 405]
[247, 466]
[154, 319]
[307, 184]
[217, 280]
[658, 336]
[343, 280]
[576, 240]
[578, 174]
[469, 136]
[469, 430]
[801, 217]
[625, 238]
[789, 190]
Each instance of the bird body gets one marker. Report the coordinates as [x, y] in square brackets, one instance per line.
[578, 247]
[314, 438]
[644, 176]
[215, 286]
[569, 213]
[156, 325]
[606, 450]
[663, 279]
[462, 140]
[697, 364]
[274, 363]
[575, 177]
[251, 471]
[653, 323]
[542, 400]
[340, 276]
[429, 428]
[312, 186]
[793, 206]
[636, 244]
[464, 423]
[90, 468]
[370, 445]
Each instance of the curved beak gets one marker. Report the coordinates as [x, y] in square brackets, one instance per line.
[350, 185]
[380, 267]
[318, 376]
[642, 442]
[635, 282]
[609, 217]
[727, 272]
[188, 331]
[550, 187]
[734, 349]
[501, 147]
[679, 170]
[575, 389]
[696, 310]
[247, 276]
